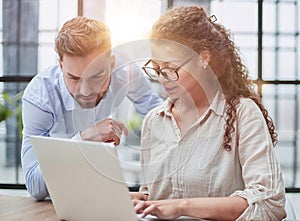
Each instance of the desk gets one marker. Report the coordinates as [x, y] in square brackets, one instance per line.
[16, 208]
[13, 208]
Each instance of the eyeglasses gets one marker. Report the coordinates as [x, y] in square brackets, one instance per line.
[168, 73]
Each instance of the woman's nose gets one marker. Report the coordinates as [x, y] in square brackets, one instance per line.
[162, 78]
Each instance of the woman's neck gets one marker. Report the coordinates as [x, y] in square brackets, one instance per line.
[196, 100]
[187, 110]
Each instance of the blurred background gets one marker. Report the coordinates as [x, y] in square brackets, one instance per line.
[267, 33]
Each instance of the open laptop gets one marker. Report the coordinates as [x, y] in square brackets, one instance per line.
[84, 180]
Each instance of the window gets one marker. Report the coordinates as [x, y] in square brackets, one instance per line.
[267, 33]
[26, 49]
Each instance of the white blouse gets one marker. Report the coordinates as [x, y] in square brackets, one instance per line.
[195, 164]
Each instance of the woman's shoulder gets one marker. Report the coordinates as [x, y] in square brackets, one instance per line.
[246, 102]
[247, 106]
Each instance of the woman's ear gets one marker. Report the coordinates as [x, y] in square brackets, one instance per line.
[205, 58]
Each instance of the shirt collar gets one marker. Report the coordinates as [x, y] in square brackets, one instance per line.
[165, 108]
[217, 105]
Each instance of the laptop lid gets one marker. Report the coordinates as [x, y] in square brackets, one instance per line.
[84, 179]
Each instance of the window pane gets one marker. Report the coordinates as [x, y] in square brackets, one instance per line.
[48, 9]
[268, 67]
[286, 62]
[269, 16]
[10, 133]
[282, 102]
[287, 17]
[244, 18]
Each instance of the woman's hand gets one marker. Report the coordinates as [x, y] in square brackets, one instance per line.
[163, 209]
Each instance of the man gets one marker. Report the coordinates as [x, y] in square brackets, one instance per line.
[76, 98]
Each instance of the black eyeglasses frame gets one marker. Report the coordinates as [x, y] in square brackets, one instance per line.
[162, 72]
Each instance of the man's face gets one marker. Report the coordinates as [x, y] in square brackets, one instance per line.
[87, 78]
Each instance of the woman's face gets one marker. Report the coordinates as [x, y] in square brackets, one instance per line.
[186, 65]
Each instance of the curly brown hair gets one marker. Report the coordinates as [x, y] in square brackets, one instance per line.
[80, 36]
[190, 26]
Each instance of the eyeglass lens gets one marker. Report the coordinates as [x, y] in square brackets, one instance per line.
[168, 73]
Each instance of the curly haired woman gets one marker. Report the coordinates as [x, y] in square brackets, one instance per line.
[208, 150]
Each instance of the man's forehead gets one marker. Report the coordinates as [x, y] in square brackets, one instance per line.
[99, 65]
[92, 67]
[101, 57]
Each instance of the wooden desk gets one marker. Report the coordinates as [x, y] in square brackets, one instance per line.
[13, 208]
[16, 208]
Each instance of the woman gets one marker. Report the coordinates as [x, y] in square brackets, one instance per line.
[207, 151]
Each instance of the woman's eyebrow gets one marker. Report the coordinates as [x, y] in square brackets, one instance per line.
[163, 63]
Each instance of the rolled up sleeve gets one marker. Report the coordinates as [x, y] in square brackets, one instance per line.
[264, 186]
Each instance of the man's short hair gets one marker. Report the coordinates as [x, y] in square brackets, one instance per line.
[80, 36]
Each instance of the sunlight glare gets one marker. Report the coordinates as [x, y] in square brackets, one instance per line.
[133, 21]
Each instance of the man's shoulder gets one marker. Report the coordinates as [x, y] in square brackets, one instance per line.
[47, 77]
[43, 84]
[125, 66]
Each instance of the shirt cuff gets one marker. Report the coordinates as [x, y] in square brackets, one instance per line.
[77, 137]
[144, 190]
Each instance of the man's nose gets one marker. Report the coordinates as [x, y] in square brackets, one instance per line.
[85, 88]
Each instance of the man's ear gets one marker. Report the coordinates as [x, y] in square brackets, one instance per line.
[112, 62]
[60, 62]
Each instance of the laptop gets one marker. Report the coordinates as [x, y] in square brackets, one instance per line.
[85, 180]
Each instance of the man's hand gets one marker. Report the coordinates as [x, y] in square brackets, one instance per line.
[108, 130]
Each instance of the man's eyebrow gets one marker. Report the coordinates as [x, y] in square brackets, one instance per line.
[99, 73]
[72, 76]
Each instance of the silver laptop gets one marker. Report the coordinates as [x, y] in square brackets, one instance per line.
[84, 179]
